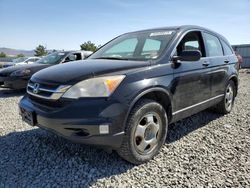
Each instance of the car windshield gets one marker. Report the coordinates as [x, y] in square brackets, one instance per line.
[53, 58]
[136, 46]
[19, 60]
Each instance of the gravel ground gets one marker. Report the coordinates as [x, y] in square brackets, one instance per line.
[205, 150]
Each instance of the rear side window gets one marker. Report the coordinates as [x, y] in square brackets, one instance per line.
[227, 49]
[213, 45]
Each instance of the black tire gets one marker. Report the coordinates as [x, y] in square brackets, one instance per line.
[143, 109]
[222, 106]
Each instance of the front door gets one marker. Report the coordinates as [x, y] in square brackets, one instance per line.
[192, 79]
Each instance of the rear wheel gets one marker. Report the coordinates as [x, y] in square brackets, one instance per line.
[226, 105]
[145, 132]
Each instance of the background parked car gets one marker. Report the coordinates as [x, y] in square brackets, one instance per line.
[22, 61]
[16, 77]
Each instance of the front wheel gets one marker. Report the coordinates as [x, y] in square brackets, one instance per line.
[145, 132]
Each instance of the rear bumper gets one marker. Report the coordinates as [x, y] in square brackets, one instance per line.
[13, 82]
[82, 121]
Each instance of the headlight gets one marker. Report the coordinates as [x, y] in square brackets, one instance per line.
[94, 87]
[24, 72]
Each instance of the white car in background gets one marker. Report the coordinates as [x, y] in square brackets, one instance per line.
[22, 61]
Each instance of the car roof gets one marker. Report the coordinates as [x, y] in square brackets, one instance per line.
[73, 51]
[181, 28]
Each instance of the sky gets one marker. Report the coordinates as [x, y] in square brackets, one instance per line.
[65, 24]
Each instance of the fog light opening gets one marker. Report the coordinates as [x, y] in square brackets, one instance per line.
[104, 129]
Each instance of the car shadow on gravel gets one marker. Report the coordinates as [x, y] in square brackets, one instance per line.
[182, 128]
[7, 93]
[38, 158]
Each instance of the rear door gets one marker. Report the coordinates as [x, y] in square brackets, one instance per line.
[192, 79]
[218, 63]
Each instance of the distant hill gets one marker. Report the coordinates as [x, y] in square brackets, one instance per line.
[14, 52]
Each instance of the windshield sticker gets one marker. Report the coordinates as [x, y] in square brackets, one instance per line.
[161, 33]
[61, 53]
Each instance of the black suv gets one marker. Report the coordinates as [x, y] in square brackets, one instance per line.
[126, 94]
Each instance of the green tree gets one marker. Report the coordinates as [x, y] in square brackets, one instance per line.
[19, 55]
[89, 46]
[40, 51]
[2, 54]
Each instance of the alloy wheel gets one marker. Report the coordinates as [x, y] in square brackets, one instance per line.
[229, 97]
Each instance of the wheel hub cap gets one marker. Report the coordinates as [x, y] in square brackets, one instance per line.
[146, 133]
[229, 97]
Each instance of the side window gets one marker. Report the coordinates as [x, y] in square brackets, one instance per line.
[227, 49]
[213, 45]
[70, 57]
[191, 41]
[78, 56]
[123, 48]
[32, 60]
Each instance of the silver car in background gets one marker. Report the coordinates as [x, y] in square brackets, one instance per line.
[22, 61]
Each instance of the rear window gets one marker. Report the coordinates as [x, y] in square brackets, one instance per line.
[227, 49]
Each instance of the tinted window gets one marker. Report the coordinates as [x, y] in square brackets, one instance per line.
[136, 46]
[32, 60]
[53, 58]
[151, 48]
[191, 41]
[125, 46]
[213, 45]
[227, 49]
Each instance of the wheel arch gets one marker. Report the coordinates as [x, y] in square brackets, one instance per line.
[234, 78]
[158, 94]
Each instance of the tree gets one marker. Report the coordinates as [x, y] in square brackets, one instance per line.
[40, 51]
[2, 54]
[89, 46]
[19, 55]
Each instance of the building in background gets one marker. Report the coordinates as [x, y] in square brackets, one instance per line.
[244, 51]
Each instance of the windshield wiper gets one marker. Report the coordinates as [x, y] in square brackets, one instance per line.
[114, 58]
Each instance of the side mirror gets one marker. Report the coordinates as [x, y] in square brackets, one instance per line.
[188, 55]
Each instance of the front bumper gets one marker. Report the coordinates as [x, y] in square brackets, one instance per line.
[81, 120]
[13, 82]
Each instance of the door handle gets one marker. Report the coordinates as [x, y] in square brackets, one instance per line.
[226, 61]
[205, 63]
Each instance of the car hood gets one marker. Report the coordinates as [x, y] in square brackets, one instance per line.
[73, 72]
[32, 67]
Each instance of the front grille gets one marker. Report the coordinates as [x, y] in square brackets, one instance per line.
[46, 91]
[48, 103]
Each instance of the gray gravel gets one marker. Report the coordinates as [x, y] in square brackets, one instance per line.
[205, 150]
